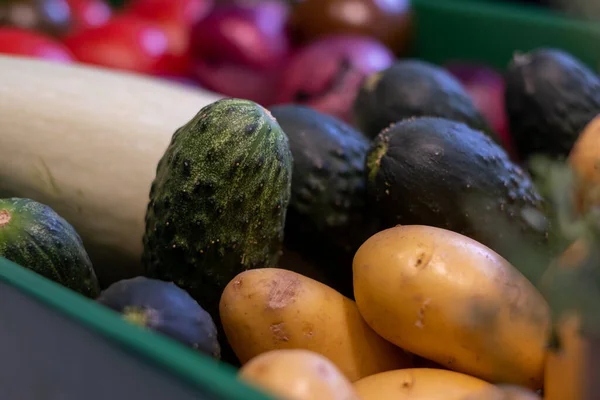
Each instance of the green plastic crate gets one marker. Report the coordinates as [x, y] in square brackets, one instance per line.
[56, 344]
[492, 31]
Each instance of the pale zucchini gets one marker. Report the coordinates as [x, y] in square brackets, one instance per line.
[86, 141]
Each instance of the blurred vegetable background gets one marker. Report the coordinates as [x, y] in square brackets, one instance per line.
[262, 50]
[354, 60]
[315, 53]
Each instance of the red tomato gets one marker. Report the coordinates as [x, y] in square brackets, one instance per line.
[177, 59]
[125, 42]
[186, 12]
[174, 64]
[176, 17]
[23, 42]
[89, 13]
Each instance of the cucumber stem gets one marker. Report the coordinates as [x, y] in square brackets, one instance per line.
[141, 316]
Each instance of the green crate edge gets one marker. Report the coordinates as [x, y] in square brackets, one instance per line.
[197, 370]
[491, 33]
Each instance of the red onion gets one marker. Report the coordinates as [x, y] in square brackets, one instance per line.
[239, 49]
[327, 73]
[237, 81]
[486, 87]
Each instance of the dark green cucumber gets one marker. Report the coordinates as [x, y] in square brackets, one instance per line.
[414, 88]
[36, 237]
[550, 98]
[218, 202]
[165, 308]
[437, 172]
[327, 219]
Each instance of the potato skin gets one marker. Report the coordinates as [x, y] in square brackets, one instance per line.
[270, 308]
[566, 376]
[448, 298]
[504, 392]
[420, 384]
[298, 375]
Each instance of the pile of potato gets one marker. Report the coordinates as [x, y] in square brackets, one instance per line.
[437, 316]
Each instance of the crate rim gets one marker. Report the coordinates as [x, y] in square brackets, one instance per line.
[197, 370]
[502, 10]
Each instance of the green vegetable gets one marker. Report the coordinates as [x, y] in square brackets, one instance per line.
[327, 219]
[550, 98]
[414, 88]
[219, 200]
[437, 172]
[165, 308]
[571, 283]
[34, 236]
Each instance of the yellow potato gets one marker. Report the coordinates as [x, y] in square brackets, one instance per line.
[271, 308]
[566, 366]
[504, 392]
[452, 300]
[571, 354]
[298, 375]
[585, 161]
[420, 384]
